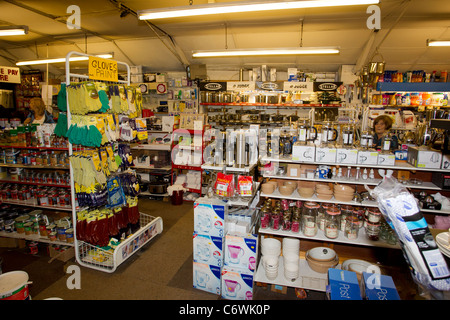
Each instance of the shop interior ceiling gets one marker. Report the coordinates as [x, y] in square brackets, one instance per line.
[113, 26]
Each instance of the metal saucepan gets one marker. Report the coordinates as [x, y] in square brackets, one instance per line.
[157, 187]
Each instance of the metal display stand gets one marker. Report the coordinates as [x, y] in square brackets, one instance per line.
[95, 257]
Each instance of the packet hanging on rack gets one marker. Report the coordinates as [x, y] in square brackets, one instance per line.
[224, 185]
[245, 186]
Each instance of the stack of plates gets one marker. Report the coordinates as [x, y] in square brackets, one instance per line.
[443, 243]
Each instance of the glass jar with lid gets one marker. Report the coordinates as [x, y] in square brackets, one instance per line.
[346, 211]
[332, 222]
[309, 219]
[373, 231]
[373, 215]
[321, 214]
[351, 226]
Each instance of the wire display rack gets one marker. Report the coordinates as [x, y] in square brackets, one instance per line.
[86, 254]
[108, 260]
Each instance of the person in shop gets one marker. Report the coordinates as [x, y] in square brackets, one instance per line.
[381, 126]
[38, 113]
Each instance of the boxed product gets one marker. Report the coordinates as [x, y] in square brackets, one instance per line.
[237, 284]
[241, 251]
[424, 157]
[208, 249]
[206, 277]
[445, 161]
[304, 153]
[209, 216]
[325, 155]
[379, 287]
[293, 170]
[343, 285]
[346, 156]
[367, 157]
[386, 159]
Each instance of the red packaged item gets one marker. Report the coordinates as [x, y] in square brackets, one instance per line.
[113, 225]
[102, 231]
[245, 186]
[224, 185]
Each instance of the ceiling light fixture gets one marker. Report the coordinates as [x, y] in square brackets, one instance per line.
[265, 52]
[13, 30]
[58, 60]
[438, 43]
[244, 6]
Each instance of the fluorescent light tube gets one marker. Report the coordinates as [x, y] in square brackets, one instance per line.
[58, 60]
[248, 6]
[13, 30]
[265, 52]
[438, 43]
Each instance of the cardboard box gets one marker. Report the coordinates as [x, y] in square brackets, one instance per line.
[445, 162]
[424, 157]
[207, 249]
[293, 170]
[209, 217]
[206, 277]
[379, 287]
[326, 155]
[386, 159]
[241, 251]
[237, 284]
[61, 253]
[343, 285]
[367, 157]
[346, 156]
[304, 153]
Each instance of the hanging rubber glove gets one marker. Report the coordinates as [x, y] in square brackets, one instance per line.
[61, 125]
[62, 98]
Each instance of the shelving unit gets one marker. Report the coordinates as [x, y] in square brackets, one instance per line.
[196, 146]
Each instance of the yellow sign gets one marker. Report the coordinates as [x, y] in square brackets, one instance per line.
[103, 69]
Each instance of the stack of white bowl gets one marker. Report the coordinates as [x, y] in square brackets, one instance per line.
[291, 256]
[270, 250]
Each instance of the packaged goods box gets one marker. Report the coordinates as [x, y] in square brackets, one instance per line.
[379, 287]
[237, 284]
[206, 277]
[241, 251]
[208, 249]
[424, 157]
[209, 217]
[343, 285]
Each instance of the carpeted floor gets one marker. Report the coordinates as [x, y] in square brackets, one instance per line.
[162, 270]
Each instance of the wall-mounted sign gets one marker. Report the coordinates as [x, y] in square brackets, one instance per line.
[270, 86]
[9, 74]
[240, 85]
[213, 86]
[103, 69]
[326, 86]
[298, 86]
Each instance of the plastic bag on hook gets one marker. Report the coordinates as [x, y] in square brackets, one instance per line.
[401, 211]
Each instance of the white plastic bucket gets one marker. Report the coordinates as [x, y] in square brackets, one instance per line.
[14, 286]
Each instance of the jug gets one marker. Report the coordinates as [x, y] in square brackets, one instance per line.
[348, 134]
[305, 132]
[366, 140]
[329, 133]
